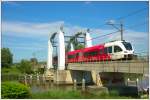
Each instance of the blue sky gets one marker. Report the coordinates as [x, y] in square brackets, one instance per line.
[26, 25]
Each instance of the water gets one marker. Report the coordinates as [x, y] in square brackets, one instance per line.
[143, 84]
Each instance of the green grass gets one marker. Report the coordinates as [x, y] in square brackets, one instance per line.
[71, 94]
[57, 94]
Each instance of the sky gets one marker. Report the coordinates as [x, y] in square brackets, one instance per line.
[26, 25]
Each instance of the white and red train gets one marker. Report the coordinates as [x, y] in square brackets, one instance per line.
[114, 50]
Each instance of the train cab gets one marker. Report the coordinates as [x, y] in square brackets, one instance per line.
[119, 50]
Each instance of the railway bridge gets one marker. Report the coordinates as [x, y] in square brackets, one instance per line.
[118, 68]
[124, 66]
[97, 71]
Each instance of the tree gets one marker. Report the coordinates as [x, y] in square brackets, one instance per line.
[34, 61]
[6, 57]
[25, 67]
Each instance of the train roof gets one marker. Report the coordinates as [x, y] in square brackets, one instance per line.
[86, 49]
[113, 42]
[94, 47]
[74, 52]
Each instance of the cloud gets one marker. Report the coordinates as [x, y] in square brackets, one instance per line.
[27, 29]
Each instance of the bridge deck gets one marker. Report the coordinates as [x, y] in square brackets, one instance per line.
[130, 66]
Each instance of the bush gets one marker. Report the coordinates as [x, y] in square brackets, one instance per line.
[25, 67]
[14, 90]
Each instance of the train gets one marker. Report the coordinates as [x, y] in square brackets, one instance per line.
[114, 50]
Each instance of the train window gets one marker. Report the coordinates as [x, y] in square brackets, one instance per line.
[86, 54]
[109, 49]
[101, 51]
[127, 45]
[71, 56]
[91, 53]
[117, 49]
[94, 53]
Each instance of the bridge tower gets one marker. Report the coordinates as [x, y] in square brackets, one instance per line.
[50, 51]
[88, 38]
[61, 50]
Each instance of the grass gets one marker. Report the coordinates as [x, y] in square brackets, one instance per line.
[57, 94]
[71, 94]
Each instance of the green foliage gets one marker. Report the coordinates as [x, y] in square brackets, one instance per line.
[72, 94]
[11, 70]
[6, 57]
[8, 74]
[57, 94]
[34, 61]
[14, 90]
[25, 67]
[79, 46]
[114, 93]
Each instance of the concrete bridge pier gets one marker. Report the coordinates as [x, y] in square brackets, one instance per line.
[96, 78]
[63, 77]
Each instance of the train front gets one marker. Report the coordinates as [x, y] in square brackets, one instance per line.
[128, 51]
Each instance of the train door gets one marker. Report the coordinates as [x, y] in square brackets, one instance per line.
[80, 58]
[117, 52]
[110, 52]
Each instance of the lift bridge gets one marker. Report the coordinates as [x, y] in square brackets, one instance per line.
[140, 65]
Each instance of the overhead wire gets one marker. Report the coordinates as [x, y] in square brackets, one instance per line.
[130, 27]
[131, 14]
[128, 15]
[119, 18]
[137, 25]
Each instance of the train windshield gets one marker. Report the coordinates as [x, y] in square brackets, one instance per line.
[127, 45]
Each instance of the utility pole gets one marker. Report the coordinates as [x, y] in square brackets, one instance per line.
[112, 23]
[121, 30]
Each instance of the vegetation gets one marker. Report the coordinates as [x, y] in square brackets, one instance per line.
[6, 57]
[14, 90]
[71, 94]
[56, 94]
[10, 70]
[34, 61]
[25, 67]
